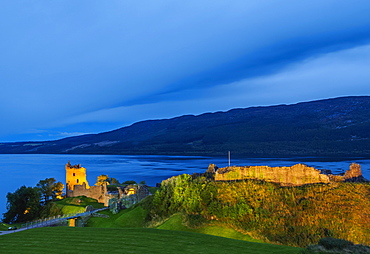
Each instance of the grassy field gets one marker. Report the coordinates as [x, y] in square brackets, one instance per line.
[175, 223]
[127, 240]
[125, 232]
[76, 204]
[135, 218]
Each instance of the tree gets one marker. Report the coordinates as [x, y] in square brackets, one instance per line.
[102, 179]
[105, 179]
[129, 182]
[23, 205]
[50, 189]
[113, 180]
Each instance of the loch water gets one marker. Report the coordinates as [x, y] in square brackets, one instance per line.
[28, 169]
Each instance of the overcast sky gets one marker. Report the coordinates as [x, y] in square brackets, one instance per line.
[75, 67]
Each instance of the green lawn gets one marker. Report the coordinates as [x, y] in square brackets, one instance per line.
[127, 240]
[4, 226]
[81, 201]
[76, 204]
[125, 232]
[175, 223]
[133, 217]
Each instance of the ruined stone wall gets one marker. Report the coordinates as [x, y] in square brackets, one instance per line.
[298, 174]
[77, 185]
[101, 194]
[96, 192]
[353, 172]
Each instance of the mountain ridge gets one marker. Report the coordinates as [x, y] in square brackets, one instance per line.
[329, 127]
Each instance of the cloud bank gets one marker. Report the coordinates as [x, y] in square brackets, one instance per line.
[92, 66]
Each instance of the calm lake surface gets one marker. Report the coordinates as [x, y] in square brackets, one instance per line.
[28, 169]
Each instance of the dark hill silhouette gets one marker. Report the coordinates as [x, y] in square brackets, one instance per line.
[331, 127]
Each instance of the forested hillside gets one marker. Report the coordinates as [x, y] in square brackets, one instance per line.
[332, 127]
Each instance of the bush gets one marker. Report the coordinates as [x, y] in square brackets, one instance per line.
[129, 182]
[330, 243]
[112, 187]
[333, 245]
[194, 220]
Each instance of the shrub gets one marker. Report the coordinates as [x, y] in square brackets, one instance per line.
[332, 243]
[194, 220]
[129, 182]
[112, 188]
[338, 246]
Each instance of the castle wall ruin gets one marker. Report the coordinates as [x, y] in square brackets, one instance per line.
[77, 185]
[296, 175]
[75, 175]
[96, 192]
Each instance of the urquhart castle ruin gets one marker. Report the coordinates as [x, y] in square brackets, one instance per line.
[296, 175]
[77, 185]
[299, 174]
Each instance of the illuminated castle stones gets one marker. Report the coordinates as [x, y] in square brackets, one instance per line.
[77, 185]
[75, 175]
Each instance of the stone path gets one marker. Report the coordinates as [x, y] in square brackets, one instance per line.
[12, 231]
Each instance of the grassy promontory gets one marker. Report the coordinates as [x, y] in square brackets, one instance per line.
[254, 211]
[294, 216]
[72, 205]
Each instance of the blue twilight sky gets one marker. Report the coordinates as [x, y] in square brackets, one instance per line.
[87, 66]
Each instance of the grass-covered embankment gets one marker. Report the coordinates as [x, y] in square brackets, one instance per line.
[133, 217]
[294, 216]
[72, 205]
[4, 226]
[253, 211]
[136, 217]
[127, 240]
[176, 222]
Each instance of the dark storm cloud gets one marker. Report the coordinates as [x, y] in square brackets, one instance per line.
[90, 66]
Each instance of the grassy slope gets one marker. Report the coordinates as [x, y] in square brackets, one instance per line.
[125, 218]
[127, 240]
[134, 217]
[76, 204]
[4, 226]
[175, 223]
[128, 227]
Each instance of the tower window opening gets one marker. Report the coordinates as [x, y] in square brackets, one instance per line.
[74, 174]
[77, 180]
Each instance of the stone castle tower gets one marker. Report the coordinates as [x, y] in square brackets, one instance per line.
[75, 175]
